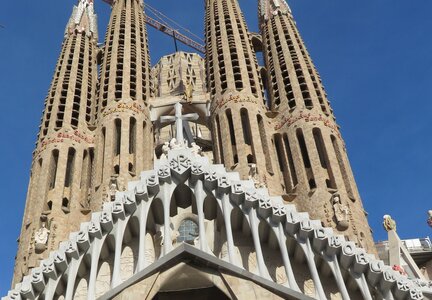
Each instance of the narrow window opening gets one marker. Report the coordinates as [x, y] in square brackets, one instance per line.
[264, 143]
[53, 169]
[342, 167]
[246, 126]
[293, 172]
[117, 138]
[323, 157]
[303, 148]
[219, 139]
[70, 167]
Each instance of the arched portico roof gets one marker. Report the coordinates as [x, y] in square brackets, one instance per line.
[184, 167]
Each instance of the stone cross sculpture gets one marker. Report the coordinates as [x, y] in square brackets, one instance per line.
[178, 119]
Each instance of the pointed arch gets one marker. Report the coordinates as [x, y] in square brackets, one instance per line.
[182, 197]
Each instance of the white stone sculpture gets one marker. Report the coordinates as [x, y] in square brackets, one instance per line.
[388, 223]
[41, 238]
[341, 212]
[253, 175]
[196, 150]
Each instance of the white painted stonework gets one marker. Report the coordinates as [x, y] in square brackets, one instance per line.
[238, 225]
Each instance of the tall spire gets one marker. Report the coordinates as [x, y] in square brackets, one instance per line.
[124, 129]
[57, 198]
[312, 157]
[237, 101]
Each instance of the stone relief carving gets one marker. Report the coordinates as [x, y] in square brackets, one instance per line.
[429, 221]
[254, 176]
[159, 237]
[41, 238]
[341, 212]
[188, 92]
[388, 223]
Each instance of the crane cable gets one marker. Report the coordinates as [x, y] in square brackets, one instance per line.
[156, 12]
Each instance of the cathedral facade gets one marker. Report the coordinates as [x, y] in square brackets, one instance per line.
[197, 178]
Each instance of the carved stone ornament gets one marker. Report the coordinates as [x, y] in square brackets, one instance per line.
[341, 212]
[41, 238]
[254, 176]
[388, 223]
[429, 221]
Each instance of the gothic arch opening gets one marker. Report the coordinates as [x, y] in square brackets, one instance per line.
[182, 198]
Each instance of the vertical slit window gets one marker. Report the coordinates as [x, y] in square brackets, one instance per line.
[266, 150]
[70, 167]
[117, 137]
[84, 169]
[103, 152]
[53, 169]
[306, 159]
[132, 144]
[246, 126]
[291, 165]
[342, 167]
[323, 156]
[132, 136]
[231, 127]
[219, 139]
[303, 148]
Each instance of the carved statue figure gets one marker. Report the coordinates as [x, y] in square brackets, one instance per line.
[430, 218]
[174, 144]
[341, 212]
[165, 149]
[41, 238]
[112, 189]
[253, 175]
[188, 92]
[161, 233]
[388, 223]
[196, 150]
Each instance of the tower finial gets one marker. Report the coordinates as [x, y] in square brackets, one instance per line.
[83, 19]
[272, 7]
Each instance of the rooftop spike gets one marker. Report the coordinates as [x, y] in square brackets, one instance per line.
[83, 19]
[272, 7]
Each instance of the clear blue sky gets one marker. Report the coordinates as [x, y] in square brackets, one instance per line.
[375, 58]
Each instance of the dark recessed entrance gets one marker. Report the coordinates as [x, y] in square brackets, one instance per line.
[212, 293]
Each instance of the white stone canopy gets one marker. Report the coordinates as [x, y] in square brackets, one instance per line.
[239, 227]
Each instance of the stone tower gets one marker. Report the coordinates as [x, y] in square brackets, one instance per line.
[124, 133]
[57, 198]
[312, 156]
[240, 126]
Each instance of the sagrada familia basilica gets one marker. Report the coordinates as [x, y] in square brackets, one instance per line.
[195, 178]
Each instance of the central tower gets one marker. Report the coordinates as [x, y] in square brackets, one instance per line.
[124, 133]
